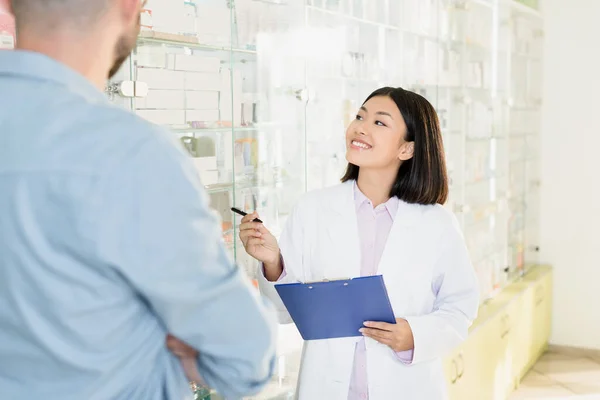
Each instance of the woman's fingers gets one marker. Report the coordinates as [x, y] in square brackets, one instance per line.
[249, 233]
[250, 217]
[250, 225]
[264, 231]
[379, 335]
[255, 242]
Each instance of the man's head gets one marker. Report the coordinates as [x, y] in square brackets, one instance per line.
[112, 23]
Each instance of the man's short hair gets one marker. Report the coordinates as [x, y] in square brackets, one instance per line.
[48, 14]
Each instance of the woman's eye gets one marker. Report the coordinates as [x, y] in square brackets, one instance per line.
[379, 123]
[358, 118]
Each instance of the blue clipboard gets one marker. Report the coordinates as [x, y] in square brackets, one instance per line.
[336, 309]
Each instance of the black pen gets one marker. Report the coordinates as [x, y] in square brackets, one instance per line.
[243, 214]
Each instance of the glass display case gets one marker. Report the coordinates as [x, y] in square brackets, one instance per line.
[260, 93]
[526, 39]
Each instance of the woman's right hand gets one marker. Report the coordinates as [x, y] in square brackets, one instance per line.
[258, 241]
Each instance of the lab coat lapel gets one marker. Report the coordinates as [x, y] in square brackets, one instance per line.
[342, 234]
[399, 239]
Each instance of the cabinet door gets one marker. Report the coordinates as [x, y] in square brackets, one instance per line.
[451, 372]
[522, 334]
[513, 354]
[470, 368]
[542, 310]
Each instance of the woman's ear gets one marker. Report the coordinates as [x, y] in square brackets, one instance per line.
[407, 151]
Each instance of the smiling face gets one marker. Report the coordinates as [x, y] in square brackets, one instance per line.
[376, 138]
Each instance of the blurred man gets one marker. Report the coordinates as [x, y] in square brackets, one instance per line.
[107, 244]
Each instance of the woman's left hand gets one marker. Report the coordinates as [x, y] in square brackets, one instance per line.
[398, 336]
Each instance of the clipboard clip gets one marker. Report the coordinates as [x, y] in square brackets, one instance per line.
[328, 280]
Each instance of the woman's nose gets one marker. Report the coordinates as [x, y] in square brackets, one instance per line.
[360, 128]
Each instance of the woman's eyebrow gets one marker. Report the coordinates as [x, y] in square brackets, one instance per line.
[384, 113]
[363, 108]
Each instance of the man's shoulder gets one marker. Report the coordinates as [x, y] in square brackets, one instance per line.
[124, 131]
[101, 136]
[120, 121]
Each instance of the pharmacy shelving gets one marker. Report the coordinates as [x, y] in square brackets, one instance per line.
[261, 92]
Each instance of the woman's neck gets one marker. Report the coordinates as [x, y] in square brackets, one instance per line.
[376, 185]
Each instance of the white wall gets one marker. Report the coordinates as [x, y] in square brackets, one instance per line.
[570, 214]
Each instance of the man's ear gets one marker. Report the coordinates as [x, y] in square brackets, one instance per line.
[407, 151]
[130, 10]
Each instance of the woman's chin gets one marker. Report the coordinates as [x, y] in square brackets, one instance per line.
[355, 159]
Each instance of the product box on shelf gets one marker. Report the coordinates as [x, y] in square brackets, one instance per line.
[166, 15]
[156, 56]
[231, 107]
[194, 63]
[206, 163]
[246, 155]
[188, 21]
[152, 57]
[207, 116]
[163, 117]
[204, 81]
[146, 20]
[207, 169]
[162, 78]
[162, 100]
[213, 23]
[201, 100]
[221, 202]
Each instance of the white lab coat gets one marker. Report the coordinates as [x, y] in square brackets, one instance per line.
[425, 251]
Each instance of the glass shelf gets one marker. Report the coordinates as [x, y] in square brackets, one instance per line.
[169, 39]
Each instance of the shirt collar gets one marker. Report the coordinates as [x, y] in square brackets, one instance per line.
[360, 199]
[36, 66]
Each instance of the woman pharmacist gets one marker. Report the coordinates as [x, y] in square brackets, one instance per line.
[385, 218]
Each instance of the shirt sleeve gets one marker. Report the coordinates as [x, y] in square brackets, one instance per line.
[283, 272]
[156, 229]
[405, 356]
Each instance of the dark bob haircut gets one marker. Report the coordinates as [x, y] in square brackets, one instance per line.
[422, 179]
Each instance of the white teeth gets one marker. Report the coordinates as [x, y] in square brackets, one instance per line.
[361, 145]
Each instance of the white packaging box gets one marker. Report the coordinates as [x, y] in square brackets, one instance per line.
[201, 100]
[161, 78]
[197, 64]
[162, 100]
[247, 112]
[226, 102]
[157, 56]
[151, 56]
[213, 23]
[166, 15]
[201, 115]
[163, 117]
[205, 163]
[207, 169]
[202, 81]
[188, 21]
[209, 177]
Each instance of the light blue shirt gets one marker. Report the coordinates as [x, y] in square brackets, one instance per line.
[106, 245]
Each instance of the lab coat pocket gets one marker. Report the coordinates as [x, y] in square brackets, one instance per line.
[412, 293]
